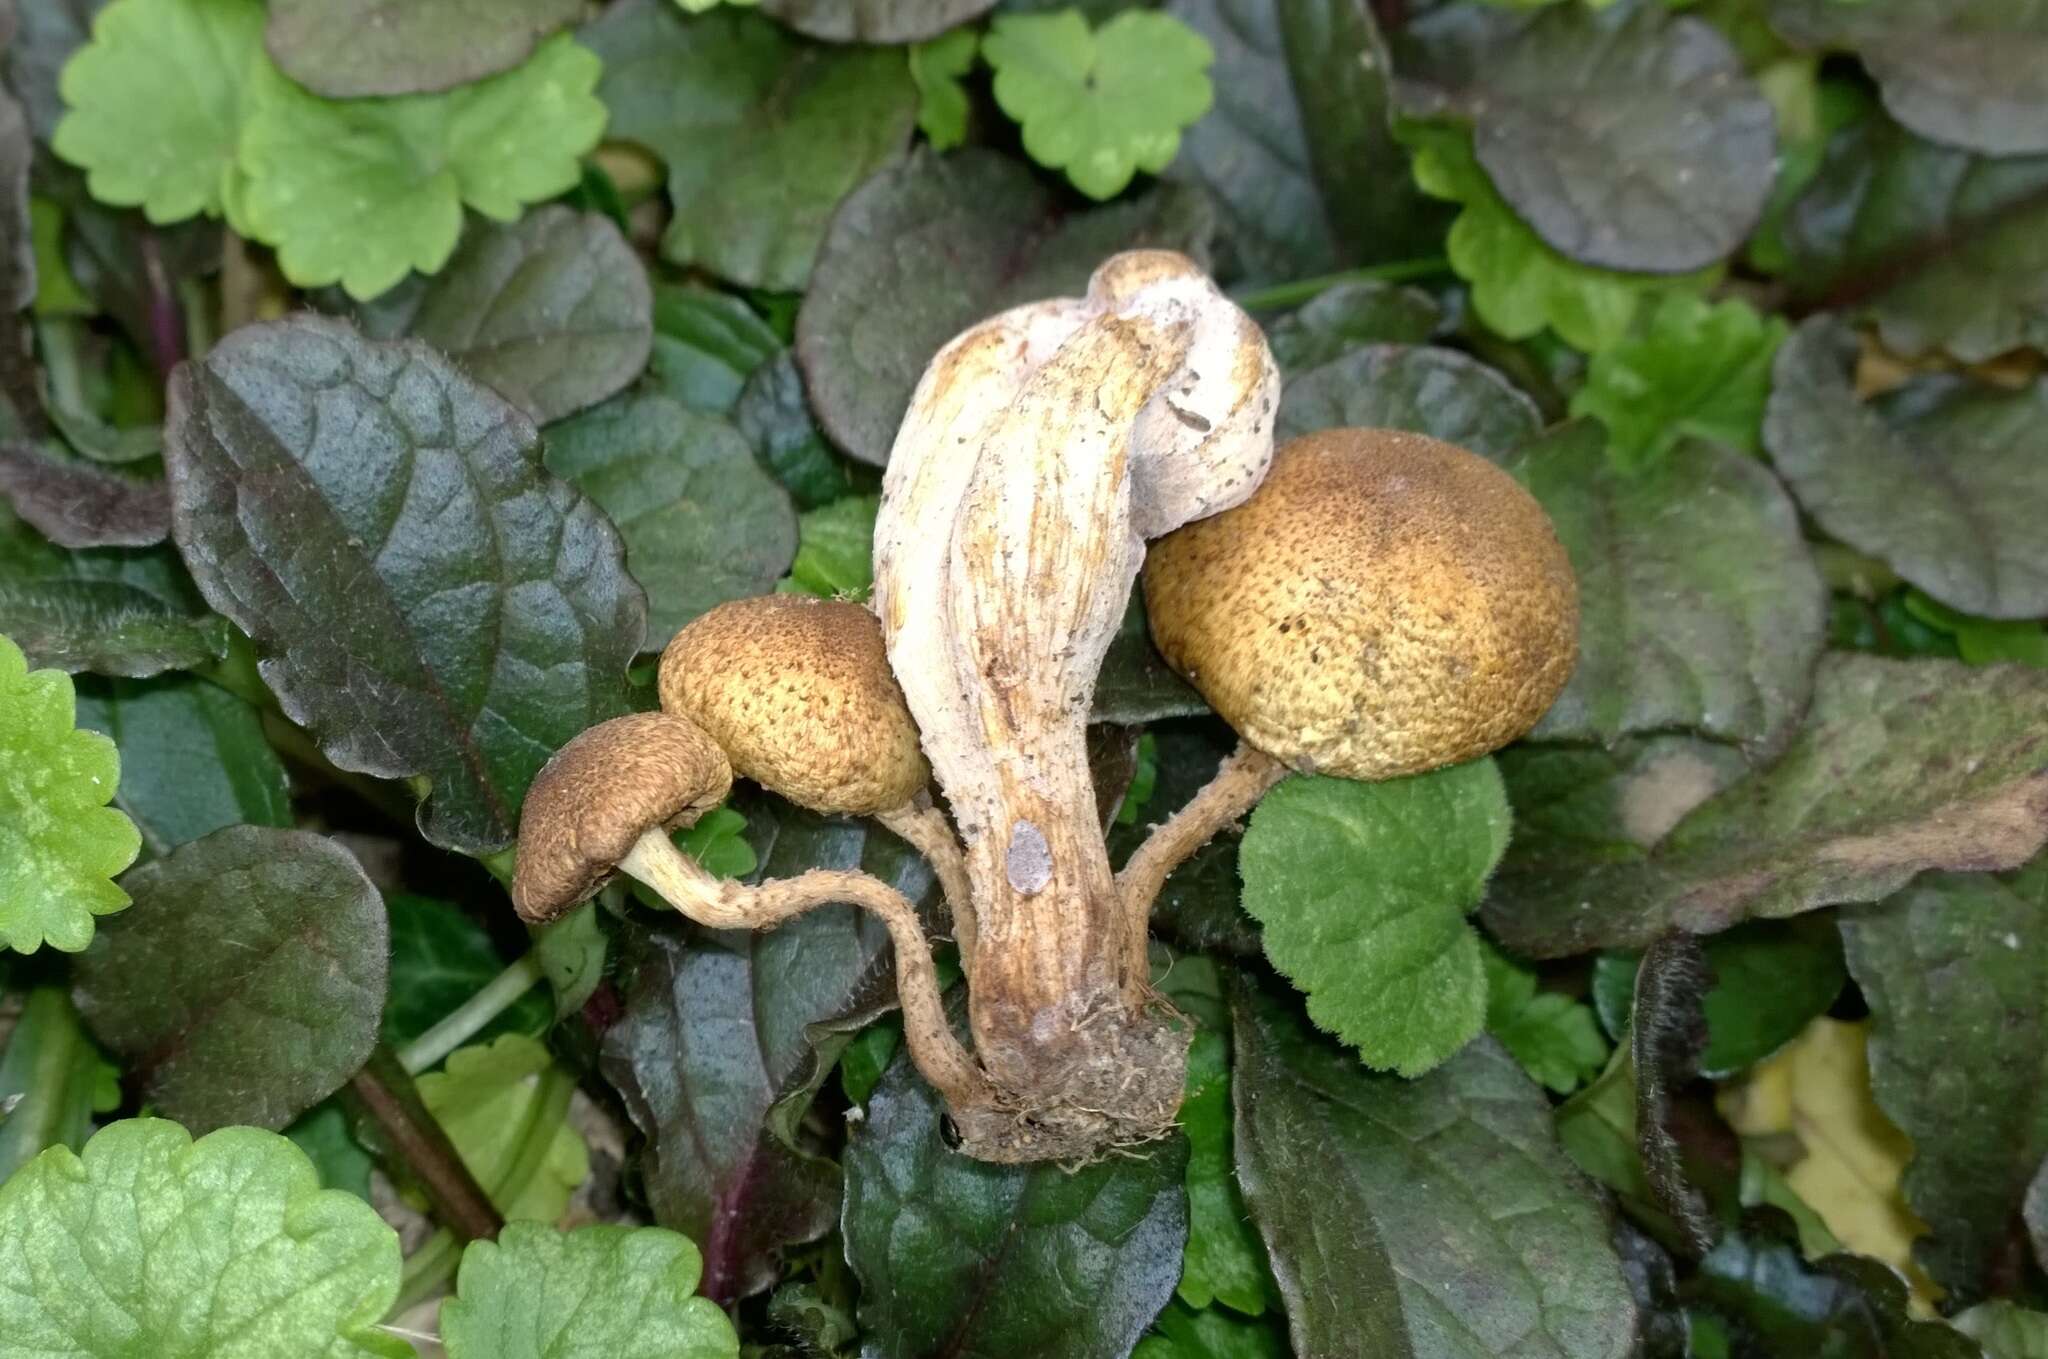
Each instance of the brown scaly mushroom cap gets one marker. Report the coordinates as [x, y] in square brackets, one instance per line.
[1385, 604]
[600, 793]
[799, 695]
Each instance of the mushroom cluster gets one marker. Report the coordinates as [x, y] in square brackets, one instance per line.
[1362, 603]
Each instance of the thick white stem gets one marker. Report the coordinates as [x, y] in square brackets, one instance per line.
[1040, 450]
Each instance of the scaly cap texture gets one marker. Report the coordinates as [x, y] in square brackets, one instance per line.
[798, 694]
[1385, 604]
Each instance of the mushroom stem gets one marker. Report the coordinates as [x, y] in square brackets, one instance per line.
[1236, 788]
[721, 903]
[926, 829]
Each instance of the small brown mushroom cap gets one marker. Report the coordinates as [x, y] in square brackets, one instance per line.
[1385, 604]
[599, 794]
[799, 694]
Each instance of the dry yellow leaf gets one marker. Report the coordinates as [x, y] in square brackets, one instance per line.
[1818, 1090]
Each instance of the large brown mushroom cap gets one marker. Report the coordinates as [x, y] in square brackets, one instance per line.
[599, 794]
[799, 694]
[1386, 603]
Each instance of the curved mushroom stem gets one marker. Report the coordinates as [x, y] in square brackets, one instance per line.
[724, 904]
[1239, 783]
[925, 827]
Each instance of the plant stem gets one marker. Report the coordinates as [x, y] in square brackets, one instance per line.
[1282, 295]
[385, 1091]
[468, 1019]
[162, 314]
[426, 1270]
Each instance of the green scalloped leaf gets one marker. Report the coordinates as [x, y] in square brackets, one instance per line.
[60, 844]
[1519, 284]
[1363, 889]
[497, 1099]
[359, 192]
[936, 67]
[157, 101]
[1698, 369]
[624, 1292]
[149, 1245]
[1100, 105]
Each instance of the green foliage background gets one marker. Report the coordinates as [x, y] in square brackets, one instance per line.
[382, 385]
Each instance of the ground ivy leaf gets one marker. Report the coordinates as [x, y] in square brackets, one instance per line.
[1554, 1038]
[553, 310]
[718, 842]
[1771, 979]
[706, 345]
[724, 1037]
[2005, 1330]
[440, 957]
[1104, 104]
[1955, 969]
[703, 523]
[1959, 237]
[622, 1291]
[1941, 479]
[877, 311]
[1363, 889]
[52, 1080]
[1520, 285]
[762, 133]
[1428, 1219]
[1351, 316]
[874, 21]
[427, 600]
[359, 192]
[75, 504]
[1439, 392]
[60, 844]
[1297, 151]
[835, 556]
[1698, 370]
[113, 611]
[1712, 621]
[156, 101]
[356, 47]
[1223, 1261]
[1902, 766]
[225, 1247]
[1973, 75]
[193, 757]
[937, 67]
[1181, 1332]
[496, 1100]
[979, 1261]
[1982, 641]
[249, 986]
[1627, 137]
